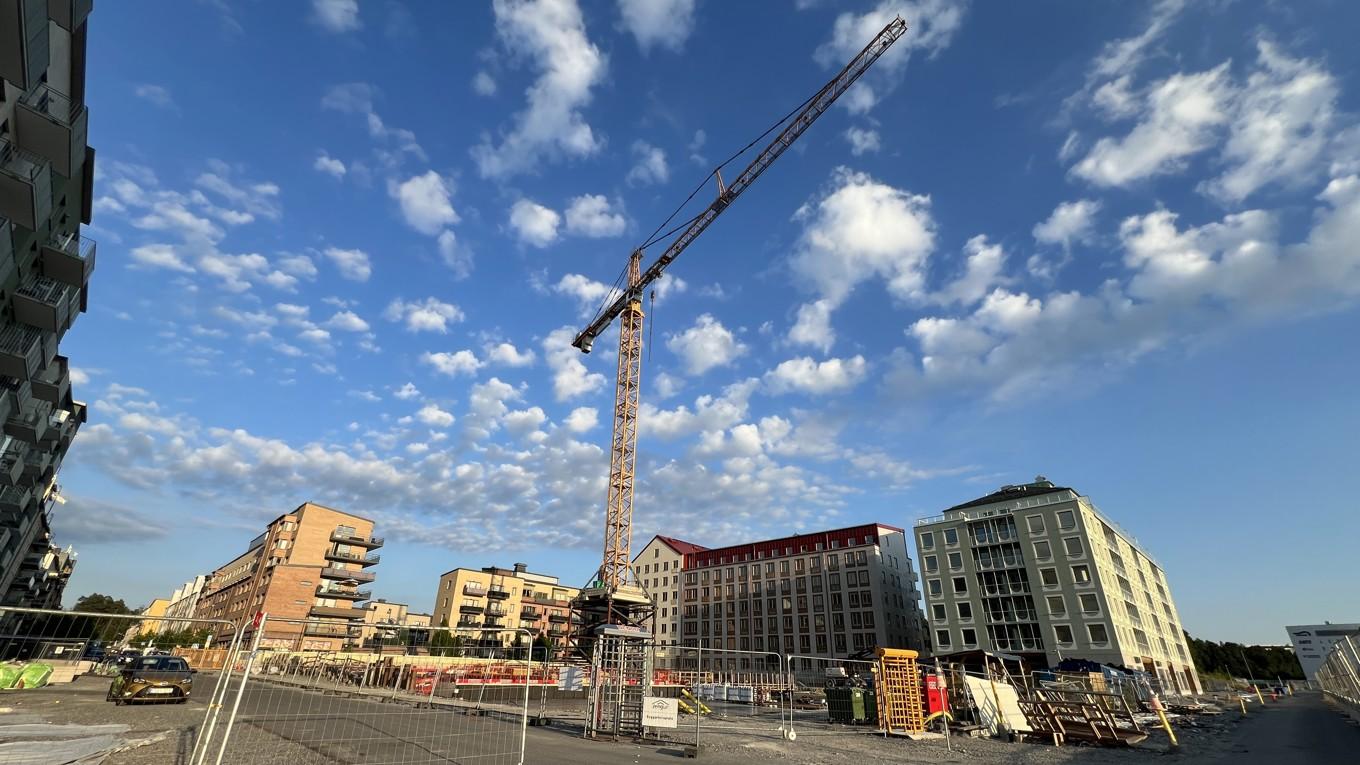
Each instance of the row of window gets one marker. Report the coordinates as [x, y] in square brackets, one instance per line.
[796, 566]
[997, 529]
[856, 599]
[817, 547]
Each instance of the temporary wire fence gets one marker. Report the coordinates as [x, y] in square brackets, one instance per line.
[831, 696]
[125, 660]
[1339, 675]
[307, 691]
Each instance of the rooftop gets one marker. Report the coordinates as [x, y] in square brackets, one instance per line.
[1040, 487]
[847, 537]
[680, 546]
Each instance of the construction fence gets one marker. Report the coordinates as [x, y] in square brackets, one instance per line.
[1339, 675]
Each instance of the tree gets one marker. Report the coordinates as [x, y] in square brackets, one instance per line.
[1253, 662]
[98, 603]
[443, 641]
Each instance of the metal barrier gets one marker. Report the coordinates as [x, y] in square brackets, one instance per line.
[92, 658]
[730, 693]
[307, 691]
[1339, 675]
[822, 697]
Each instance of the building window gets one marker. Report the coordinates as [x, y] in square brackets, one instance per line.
[1042, 551]
[1073, 546]
[933, 586]
[951, 537]
[932, 564]
[1067, 520]
[928, 541]
[1081, 574]
[1098, 634]
[1063, 634]
[960, 585]
[1090, 604]
[969, 637]
[1049, 576]
[1057, 606]
[937, 612]
[942, 638]
[1036, 524]
[965, 610]
[955, 561]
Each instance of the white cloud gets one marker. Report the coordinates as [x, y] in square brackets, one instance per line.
[933, 24]
[589, 294]
[508, 355]
[329, 165]
[426, 202]
[254, 198]
[452, 364]
[667, 385]
[483, 84]
[524, 421]
[1180, 118]
[863, 229]
[353, 265]
[570, 377]
[533, 223]
[1116, 99]
[807, 376]
[298, 265]
[407, 392]
[1122, 56]
[366, 395]
[705, 345]
[1070, 222]
[982, 271]
[156, 94]
[347, 321]
[434, 416]
[862, 140]
[357, 98]
[1284, 120]
[336, 15]
[813, 326]
[649, 164]
[160, 256]
[582, 419]
[552, 34]
[456, 256]
[590, 215]
[663, 23]
[429, 315]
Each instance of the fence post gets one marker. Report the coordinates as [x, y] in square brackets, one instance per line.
[941, 688]
[528, 675]
[241, 689]
[219, 695]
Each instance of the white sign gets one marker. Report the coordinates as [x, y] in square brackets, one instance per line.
[660, 713]
[570, 679]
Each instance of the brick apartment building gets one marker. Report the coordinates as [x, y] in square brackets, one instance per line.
[305, 572]
[493, 598]
[829, 594]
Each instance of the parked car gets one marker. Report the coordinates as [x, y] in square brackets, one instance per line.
[153, 678]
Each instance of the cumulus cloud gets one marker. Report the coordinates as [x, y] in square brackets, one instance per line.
[861, 140]
[336, 15]
[805, 375]
[570, 376]
[426, 202]
[588, 293]
[329, 165]
[706, 345]
[533, 223]
[483, 84]
[407, 392]
[347, 321]
[434, 416]
[508, 355]
[552, 35]
[813, 326]
[1070, 222]
[156, 94]
[591, 215]
[660, 23]
[982, 271]
[453, 364]
[353, 265]
[428, 315]
[649, 165]
[582, 419]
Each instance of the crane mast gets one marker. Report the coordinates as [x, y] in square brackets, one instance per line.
[614, 597]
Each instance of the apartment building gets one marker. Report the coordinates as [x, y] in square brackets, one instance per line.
[305, 571]
[492, 598]
[1037, 570]
[46, 178]
[384, 620]
[657, 568]
[1314, 642]
[152, 621]
[183, 603]
[828, 594]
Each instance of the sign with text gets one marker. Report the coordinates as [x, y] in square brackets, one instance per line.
[660, 713]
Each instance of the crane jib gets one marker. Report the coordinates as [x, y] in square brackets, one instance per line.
[819, 103]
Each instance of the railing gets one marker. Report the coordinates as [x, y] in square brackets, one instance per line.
[53, 103]
[326, 630]
[367, 560]
[323, 591]
[332, 572]
[474, 589]
[24, 165]
[498, 592]
[357, 540]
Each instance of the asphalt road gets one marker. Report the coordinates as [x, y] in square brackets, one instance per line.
[1302, 730]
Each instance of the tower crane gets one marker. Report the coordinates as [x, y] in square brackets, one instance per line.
[614, 598]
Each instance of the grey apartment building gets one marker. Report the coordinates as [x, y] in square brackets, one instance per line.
[829, 594]
[1038, 570]
[46, 172]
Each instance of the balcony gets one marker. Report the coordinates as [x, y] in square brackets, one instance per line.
[558, 617]
[322, 591]
[347, 575]
[348, 557]
[36, 462]
[24, 47]
[317, 629]
[51, 125]
[69, 259]
[15, 499]
[493, 621]
[53, 384]
[474, 589]
[468, 623]
[30, 423]
[337, 612]
[46, 304]
[498, 593]
[471, 608]
[529, 612]
[25, 186]
[557, 630]
[357, 541]
[69, 14]
[12, 460]
[548, 601]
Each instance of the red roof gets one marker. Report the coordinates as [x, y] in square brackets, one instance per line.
[681, 546]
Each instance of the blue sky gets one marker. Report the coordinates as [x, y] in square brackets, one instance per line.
[344, 247]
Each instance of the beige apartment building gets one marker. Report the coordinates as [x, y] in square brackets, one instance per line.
[1038, 570]
[658, 571]
[384, 620]
[306, 572]
[493, 598]
[152, 620]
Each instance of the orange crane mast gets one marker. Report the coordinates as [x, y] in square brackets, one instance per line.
[614, 596]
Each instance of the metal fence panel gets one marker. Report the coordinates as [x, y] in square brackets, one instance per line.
[831, 697]
[304, 694]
